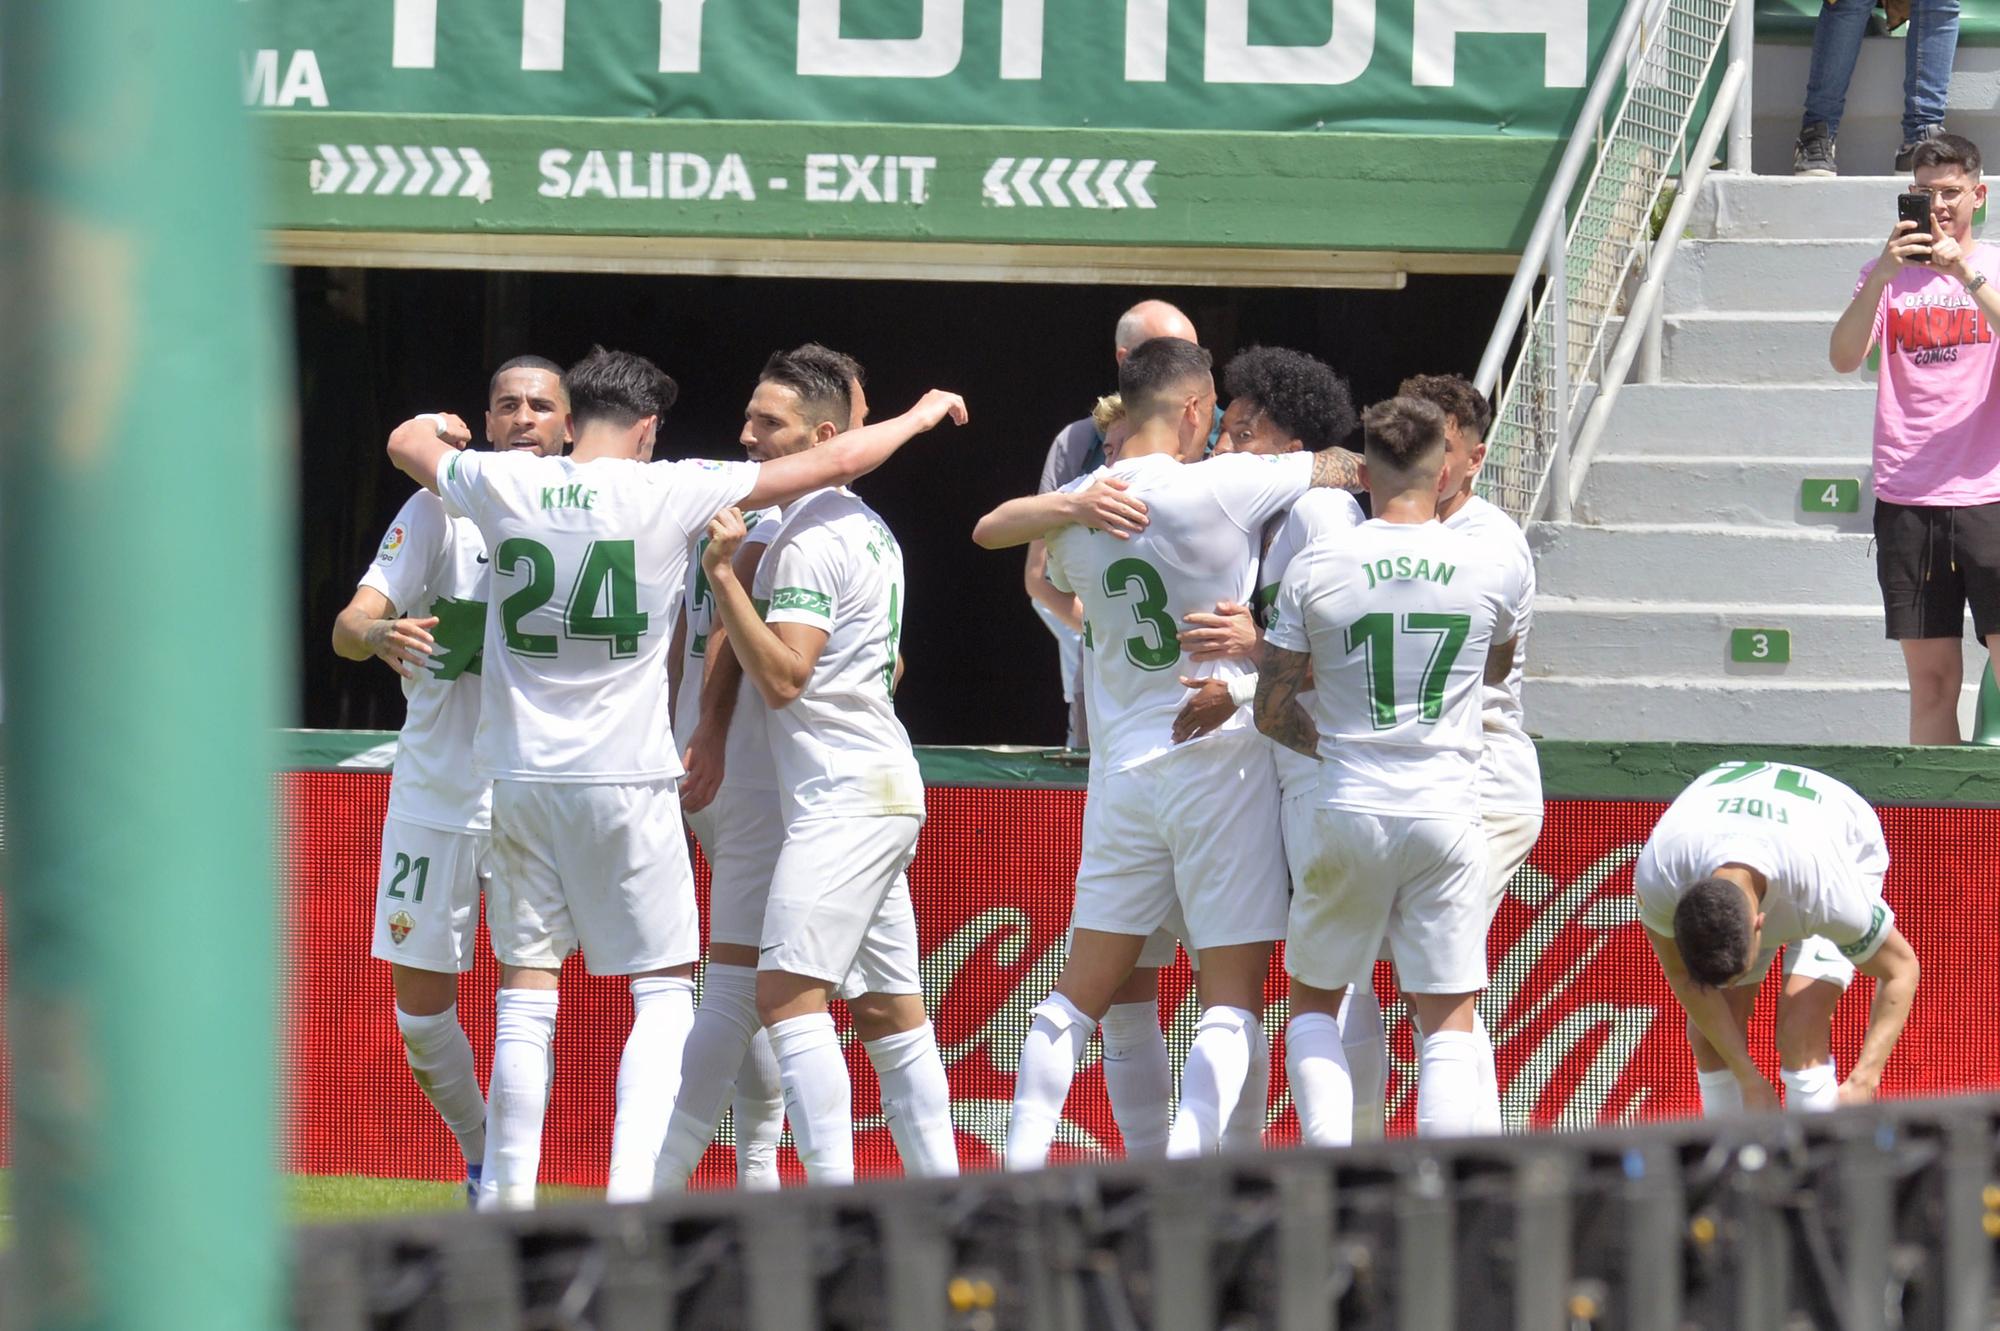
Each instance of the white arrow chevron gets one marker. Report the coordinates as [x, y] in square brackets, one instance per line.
[328, 170]
[1024, 181]
[1135, 184]
[448, 172]
[994, 187]
[421, 171]
[1052, 182]
[479, 181]
[364, 168]
[1079, 182]
[392, 169]
[1107, 184]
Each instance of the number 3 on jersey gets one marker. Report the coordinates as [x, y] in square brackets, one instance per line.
[1128, 576]
[1375, 636]
[607, 579]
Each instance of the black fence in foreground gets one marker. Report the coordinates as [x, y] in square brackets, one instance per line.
[1871, 1218]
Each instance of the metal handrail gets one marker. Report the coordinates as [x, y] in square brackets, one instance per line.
[1642, 319]
[1549, 223]
[1664, 51]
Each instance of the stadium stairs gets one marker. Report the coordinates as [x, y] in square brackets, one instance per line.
[1717, 583]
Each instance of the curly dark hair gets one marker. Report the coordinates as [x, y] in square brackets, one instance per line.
[1712, 929]
[1299, 393]
[1453, 395]
[619, 387]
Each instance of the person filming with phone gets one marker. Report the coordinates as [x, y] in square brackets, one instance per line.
[1930, 302]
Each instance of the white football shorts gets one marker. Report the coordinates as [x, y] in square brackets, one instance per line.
[1365, 878]
[741, 833]
[1510, 839]
[1197, 827]
[839, 908]
[427, 897]
[603, 868]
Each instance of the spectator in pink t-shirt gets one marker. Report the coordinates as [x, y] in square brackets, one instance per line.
[1930, 302]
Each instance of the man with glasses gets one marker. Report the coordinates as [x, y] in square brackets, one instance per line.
[1929, 303]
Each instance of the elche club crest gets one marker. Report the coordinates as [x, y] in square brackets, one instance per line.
[400, 925]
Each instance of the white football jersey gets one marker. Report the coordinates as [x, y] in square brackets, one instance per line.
[1510, 773]
[430, 564]
[1398, 618]
[1817, 842]
[588, 562]
[746, 753]
[1318, 514]
[838, 747]
[1205, 524]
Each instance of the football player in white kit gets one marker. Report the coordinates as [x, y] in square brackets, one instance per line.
[588, 557]
[420, 607]
[731, 800]
[1396, 622]
[1751, 857]
[1167, 829]
[818, 634]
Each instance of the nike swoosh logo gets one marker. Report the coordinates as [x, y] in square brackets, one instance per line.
[480, 558]
[773, 948]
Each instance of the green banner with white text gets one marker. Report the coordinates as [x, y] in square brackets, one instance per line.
[1339, 124]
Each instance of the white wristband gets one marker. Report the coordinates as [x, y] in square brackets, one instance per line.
[1243, 690]
[437, 421]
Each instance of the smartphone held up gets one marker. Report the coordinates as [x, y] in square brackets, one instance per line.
[1915, 206]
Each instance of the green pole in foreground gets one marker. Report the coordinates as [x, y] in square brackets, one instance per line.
[141, 509]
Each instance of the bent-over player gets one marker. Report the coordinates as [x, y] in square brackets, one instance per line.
[1754, 856]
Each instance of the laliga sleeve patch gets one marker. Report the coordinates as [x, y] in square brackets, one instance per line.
[392, 544]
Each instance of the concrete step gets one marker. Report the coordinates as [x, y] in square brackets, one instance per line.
[1785, 207]
[1691, 641]
[1769, 420]
[1777, 275]
[1685, 562]
[1871, 127]
[1739, 492]
[1747, 348]
[1735, 711]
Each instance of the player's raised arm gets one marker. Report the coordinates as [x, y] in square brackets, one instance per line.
[420, 445]
[1103, 506]
[1895, 969]
[1708, 1009]
[851, 455]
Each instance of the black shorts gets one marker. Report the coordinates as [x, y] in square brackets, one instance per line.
[1931, 562]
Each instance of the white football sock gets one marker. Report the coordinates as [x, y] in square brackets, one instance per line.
[819, 1097]
[524, 1028]
[1049, 1056]
[916, 1100]
[1138, 1077]
[1366, 1046]
[1322, 1086]
[1487, 1118]
[1721, 1093]
[711, 1060]
[1244, 1130]
[441, 1061]
[649, 1075]
[1448, 1085]
[1812, 1090]
[758, 1115]
[1212, 1082]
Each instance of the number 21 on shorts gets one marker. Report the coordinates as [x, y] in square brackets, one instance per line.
[416, 871]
